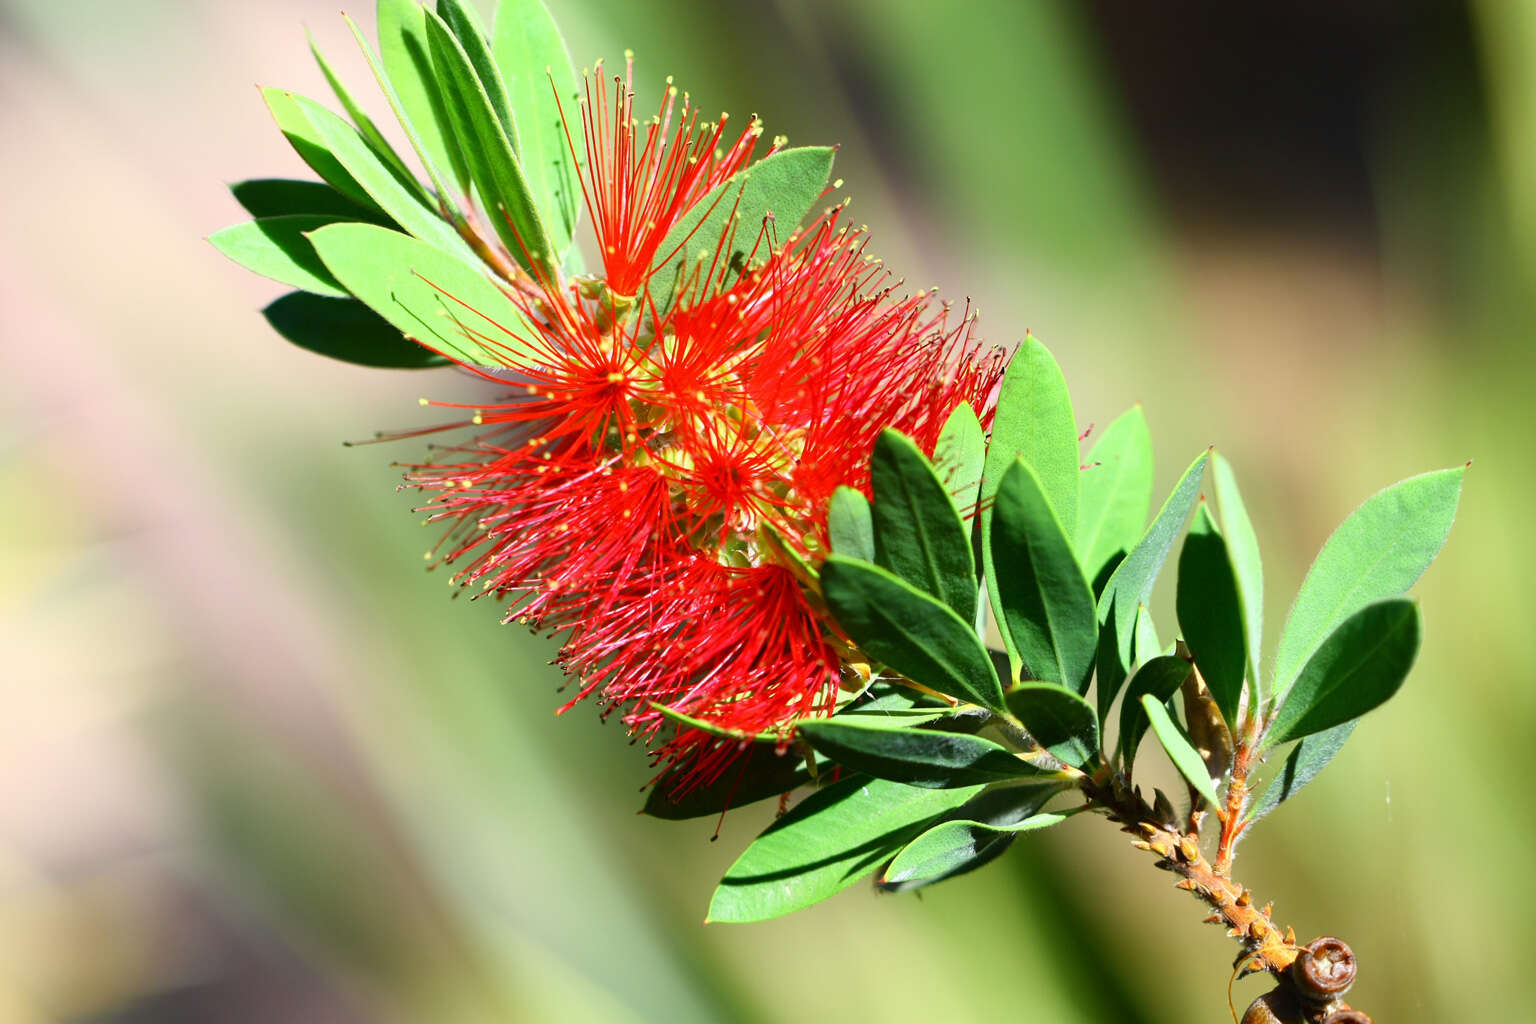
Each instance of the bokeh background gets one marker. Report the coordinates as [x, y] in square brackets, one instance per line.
[255, 766]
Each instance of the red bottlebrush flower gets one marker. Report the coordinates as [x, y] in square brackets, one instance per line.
[660, 483]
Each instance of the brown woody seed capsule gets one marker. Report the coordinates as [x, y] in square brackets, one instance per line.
[1346, 1017]
[1324, 970]
[1277, 1006]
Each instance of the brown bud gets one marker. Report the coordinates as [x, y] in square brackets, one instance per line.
[1277, 1006]
[1189, 848]
[1244, 898]
[1324, 970]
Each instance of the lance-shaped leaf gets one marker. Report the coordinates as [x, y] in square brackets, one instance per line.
[465, 26]
[959, 455]
[1243, 549]
[407, 65]
[275, 247]
[1045, 603]
[536, 68]
[1180, 751]
[719, 236]
[953, 848]
[369, 131]
[687, 721]
[492, 163]
[918, 757]
[285, 197]
[312, 146]
[850, 524]
[1160, 678]
[1306, 759]
[1379, 551]
[1210, 606]
[918, 532]
[1116, 495]
[760, 773]
[346, 329]
[914, 634]
[1358, 668]
[380, 184]
[1059, 720]
[429, 295]
[829, 841]
[1130, 586]
[1146, 645]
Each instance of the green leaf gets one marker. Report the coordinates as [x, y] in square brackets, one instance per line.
[1116, 494]
[918, 532]
[1033, 422]
[1161, 677]
[959, 455]
[1210, 606]
[915, 635]
[312, 146]
[407, 65]
[275, 247]
[1358, 668]
[1146, 645]
[1131, 585]
[953, 848]
[1306, 759]
[1180, 751]
[850, 524]
[760, 773]
[492, 161]
[427, 294]
[728, 220]
[829, 841]
[1045, 604]
[687, 721]
[369, 131]
[1243, 549]
[346, 329]
[465, 26]
[408, 211]
[536, 68]
[283, 197]
[1379, 551]
[917, 757]
[1059, 720]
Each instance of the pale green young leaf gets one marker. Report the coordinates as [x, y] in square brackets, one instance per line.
[850, 524]
[918, 532]
[1243, 548]
[1116, 495]
[1178, 748]
[407, 65]
[275, 247]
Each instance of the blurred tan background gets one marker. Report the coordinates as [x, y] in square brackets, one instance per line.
[255, 766]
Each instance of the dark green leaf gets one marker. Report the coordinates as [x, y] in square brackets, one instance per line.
[850, 524]
[427, 294]
[918, 532]
[346, 329]
[1059, 720]
[959, 455]
[312, 146]
[1309, 757]
[1116, 493]
[1210, 606]
[1379, 551]
[283, 197]
[1045, 604]
[408, 211]
[1131, 585]
[953, 848]
[536, 68]
[829, 841]
[1160, 677]
[762, 772]
[1243, 549]
[407, 66]
[917, 757]
[895, 623]
[1180, 751]
[728, 221]
[465, 26]
[492, 162]
[275, 247]
[1358, 668]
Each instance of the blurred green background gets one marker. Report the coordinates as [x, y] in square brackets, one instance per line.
[255, 766]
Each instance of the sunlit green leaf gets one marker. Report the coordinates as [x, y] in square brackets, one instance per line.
[826, 843]
[1243, 549]
[1059, 720]
[918, 532]
[1309, 757]
[369, 131]
[953, 848]
[1116, 495]
[917, 757]
[1359, 667]
[346, 329]
[1161, 677]
[1180, 751]
[1210, 606]
[407, 65]
[1046, 606]
[275, 247]
[850, 524]
[959, 455]
[312, 146]
[1379, 551]
[911, 632]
